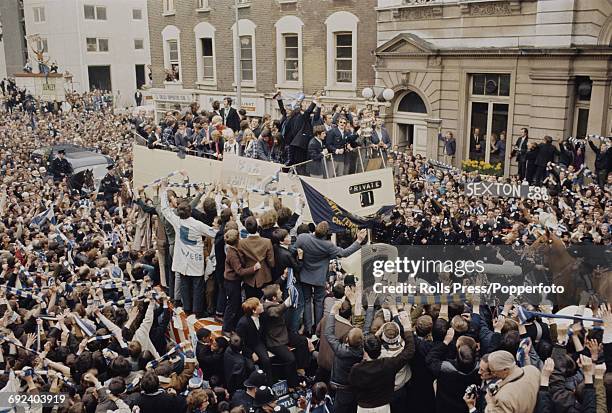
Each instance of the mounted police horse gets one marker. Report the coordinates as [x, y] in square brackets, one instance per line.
[578, 269]
[82, 182]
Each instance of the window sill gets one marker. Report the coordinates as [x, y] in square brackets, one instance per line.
[206, 83]
[168, 13]
[244, 5]
[204, 10]
[345, 91]
[177, 83]
[341, 87]
[289, 85]
[250, 84]
[287, 1]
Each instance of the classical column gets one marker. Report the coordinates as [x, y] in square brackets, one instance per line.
[598, 109]
[433, 126]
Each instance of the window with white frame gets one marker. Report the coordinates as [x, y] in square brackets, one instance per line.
[246, 58]
[342, 51]
[168, 6]
[138, 44]
[172, 53]
[96, 45]
[343, 61]
[292, 61]
[208, 59]
[103, 45]
[246, 53]
[94, 12]
[39, 14]
[205, 51]
[92, 44]
[289, 51]
[137, 14]
[202, 4]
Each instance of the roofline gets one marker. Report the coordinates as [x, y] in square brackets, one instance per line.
[604, 51]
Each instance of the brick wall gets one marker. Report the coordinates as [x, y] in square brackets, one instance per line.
[264, 13]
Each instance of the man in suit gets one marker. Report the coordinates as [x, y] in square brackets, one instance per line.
[317, 152]
[296, 129]
[255, 249]
[477, 146]
[335, 142]
[520, 151]
[450, 146]
[603, 159]
[233, 275]
[380, 136]
[546, 154]
[285, 259]
[138, 97]
[182, 137]
[230, 115]
[318, 252]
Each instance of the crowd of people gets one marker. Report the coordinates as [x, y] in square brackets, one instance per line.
[319, 141]
[92, 281]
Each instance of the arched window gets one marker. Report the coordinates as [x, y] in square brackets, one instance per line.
[171, 36]
[342, 51]
[413, 103]
[205, 52]
[246, 54]
[289, 52]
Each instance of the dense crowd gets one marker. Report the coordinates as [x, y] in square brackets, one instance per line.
[89, 292]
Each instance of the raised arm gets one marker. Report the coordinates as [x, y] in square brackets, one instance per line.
[170, 216]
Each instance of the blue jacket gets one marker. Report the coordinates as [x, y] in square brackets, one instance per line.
[315, 149]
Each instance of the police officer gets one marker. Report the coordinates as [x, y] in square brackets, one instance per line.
[496, 238]
[60, 167]
[265, 400]
[484, 236]
[109, 185]
[447, 236]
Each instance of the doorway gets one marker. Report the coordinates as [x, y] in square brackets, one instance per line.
[412, 135]
[411, 127]
[140, 76]
[100, 78]
[488, 126]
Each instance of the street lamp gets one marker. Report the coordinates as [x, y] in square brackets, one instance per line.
[382, 94]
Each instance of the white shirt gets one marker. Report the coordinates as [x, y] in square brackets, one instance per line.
[188, 256]
[256, 321]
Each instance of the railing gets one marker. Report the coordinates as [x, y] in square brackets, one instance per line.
[364, 155]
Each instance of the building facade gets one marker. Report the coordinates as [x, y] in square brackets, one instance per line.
[101, 44]
[490, 68]
[13, 51]
[292, 45]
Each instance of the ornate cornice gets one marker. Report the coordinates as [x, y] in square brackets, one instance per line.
[595, 52]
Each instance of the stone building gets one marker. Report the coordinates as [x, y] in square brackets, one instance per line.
[494, 67]
[13, 48]
[105, 46]
[292, 45]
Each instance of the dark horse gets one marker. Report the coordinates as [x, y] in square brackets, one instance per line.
[573, 273]
[82, 180]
